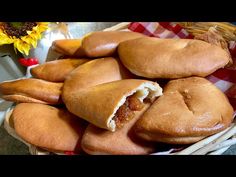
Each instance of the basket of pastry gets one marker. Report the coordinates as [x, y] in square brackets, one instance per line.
[132, 89]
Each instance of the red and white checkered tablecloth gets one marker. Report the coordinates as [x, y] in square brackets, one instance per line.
[224, 79]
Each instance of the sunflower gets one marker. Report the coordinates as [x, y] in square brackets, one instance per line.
[23, 35]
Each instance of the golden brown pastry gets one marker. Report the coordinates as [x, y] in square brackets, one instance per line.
[171, 58]
[94, 72]
[95, 44]
[83, 81]
[189, 110]
[66, 46]
[57, 70]
[97, 141]
[31, 91]
[104, 43]
[48, 127]
[111, 105]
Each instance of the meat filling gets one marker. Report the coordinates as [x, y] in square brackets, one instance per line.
[126, 111]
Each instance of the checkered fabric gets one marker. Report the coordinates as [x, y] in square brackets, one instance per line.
[224, 79]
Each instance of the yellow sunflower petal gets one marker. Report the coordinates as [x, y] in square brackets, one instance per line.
[5, 39]
[22, 46]
[35, 35]
[42, 26]
[39, 29]
[28, 39]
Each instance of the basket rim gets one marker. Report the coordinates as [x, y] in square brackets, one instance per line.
[34, 150]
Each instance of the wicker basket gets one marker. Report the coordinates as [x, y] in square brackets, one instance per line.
[213, 145]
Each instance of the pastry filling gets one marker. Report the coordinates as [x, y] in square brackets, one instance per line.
[132, 102]
[126, 111]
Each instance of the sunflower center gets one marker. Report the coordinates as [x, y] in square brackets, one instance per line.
[18, 29]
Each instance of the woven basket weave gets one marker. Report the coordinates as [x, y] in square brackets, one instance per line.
[213, 145]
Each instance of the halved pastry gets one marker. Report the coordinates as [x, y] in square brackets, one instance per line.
[111, 105]
[31, 91]
[97, 141]
[50, 128]
[189, 110]
[57, 70]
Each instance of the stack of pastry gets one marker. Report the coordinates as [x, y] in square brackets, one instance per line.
[103, 97]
